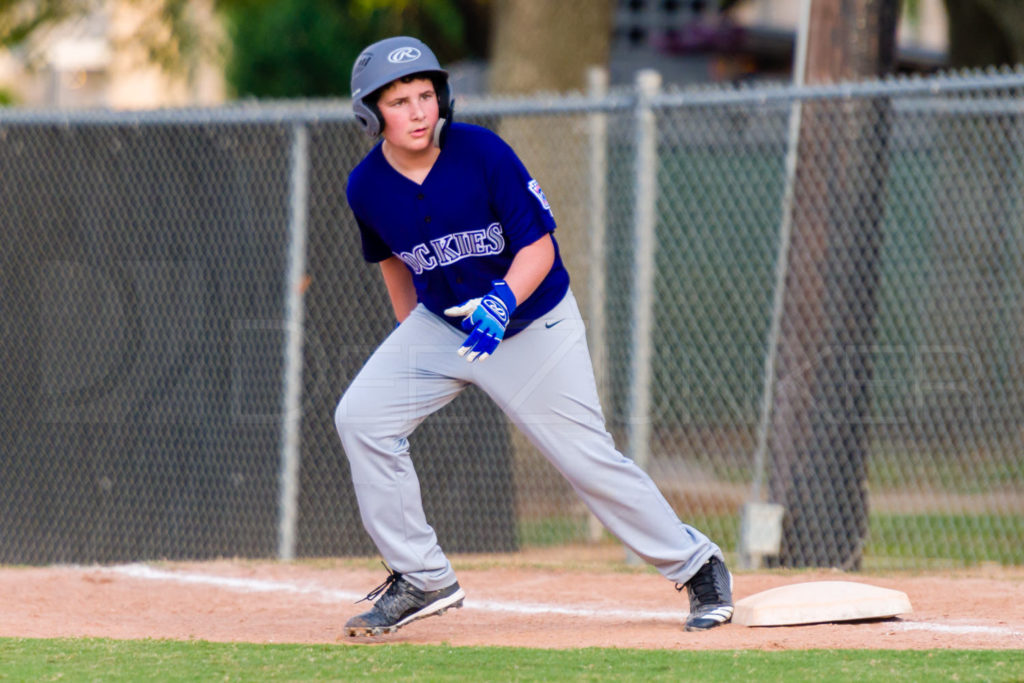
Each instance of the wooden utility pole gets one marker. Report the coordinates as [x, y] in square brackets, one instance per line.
[818, 440]
[548, 46]
[545, 46]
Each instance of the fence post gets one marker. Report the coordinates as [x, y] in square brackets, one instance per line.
[597, 87]
[648, 83]
[291, 413]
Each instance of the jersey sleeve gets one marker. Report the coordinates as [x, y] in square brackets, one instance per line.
[375, 249]
[519, 202]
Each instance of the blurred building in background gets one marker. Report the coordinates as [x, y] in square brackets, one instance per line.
[109, 59]
[104, 59]
[692, 41]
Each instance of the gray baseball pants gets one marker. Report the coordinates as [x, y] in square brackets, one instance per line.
[542, 378]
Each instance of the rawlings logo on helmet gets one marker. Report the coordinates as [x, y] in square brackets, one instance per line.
[404, 55]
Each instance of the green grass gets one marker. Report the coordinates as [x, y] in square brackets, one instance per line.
[549, 531]
[921, 540]
[141, 660]
[943, 539]
[895, 541]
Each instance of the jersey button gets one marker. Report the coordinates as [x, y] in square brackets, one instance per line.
[419, 196]
[427, 219]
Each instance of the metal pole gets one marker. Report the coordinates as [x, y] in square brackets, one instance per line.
[597, 87]
[782, 258]
[291, 414]
[648, 83]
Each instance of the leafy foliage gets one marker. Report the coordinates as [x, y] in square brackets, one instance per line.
[306, 48]
[20, 18]
[292, 48]
[279, 48]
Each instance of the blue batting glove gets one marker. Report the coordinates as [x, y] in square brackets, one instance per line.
[485, 319]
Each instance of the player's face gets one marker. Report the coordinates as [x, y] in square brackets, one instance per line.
[410, 113]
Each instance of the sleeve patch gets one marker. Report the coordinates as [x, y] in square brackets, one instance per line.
[539, 194]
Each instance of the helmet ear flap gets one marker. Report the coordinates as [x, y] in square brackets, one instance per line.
[440, 133]
[445, 101]
[445, 109]
[369, 117]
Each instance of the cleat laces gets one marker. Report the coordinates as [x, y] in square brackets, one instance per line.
[393, 578]
[702, 588]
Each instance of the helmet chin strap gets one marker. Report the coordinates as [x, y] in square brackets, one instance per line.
[439, 131]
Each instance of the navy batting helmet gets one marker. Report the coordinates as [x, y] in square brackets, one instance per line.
[386, 61]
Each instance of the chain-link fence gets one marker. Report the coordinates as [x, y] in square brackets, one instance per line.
[803, 301]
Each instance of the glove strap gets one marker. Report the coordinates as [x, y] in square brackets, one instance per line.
[504, 292]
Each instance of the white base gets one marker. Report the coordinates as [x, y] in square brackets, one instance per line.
[819, 601]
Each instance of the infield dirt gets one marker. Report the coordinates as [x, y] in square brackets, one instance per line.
[566, 598]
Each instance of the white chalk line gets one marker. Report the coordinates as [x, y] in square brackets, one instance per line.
[959, 629]
[142, 571]
[247, 585]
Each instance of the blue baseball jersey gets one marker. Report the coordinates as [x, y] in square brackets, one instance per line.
[461, 228]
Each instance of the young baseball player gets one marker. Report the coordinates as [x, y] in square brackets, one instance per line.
[465, 242]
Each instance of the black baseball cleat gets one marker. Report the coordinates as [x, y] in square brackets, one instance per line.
[710, 592]
[401, 603]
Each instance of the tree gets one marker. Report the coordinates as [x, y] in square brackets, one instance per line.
[823, 368]
[19, 19]
[545, 46]
[306, 48]
[284, 48]
[985, 32]
[173, 35]
[540, 45]
[294, 48]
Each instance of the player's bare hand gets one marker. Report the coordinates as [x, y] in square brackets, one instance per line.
[486, 319]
